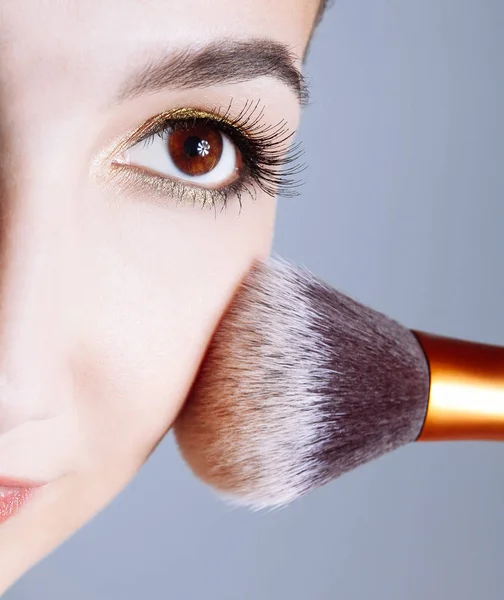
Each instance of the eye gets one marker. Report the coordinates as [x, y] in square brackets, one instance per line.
[197, 153]
[210, 158]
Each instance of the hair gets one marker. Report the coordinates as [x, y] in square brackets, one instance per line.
[321, 10]
[323, 6]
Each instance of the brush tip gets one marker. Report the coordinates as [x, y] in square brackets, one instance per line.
[299, 384]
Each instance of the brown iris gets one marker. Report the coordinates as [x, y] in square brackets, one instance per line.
[195, 150]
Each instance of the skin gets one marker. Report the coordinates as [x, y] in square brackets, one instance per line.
[108, 295]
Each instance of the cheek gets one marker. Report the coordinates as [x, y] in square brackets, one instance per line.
[153, 282]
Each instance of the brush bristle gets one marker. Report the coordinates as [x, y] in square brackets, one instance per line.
[299, 384]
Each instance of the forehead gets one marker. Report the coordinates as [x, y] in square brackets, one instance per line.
[86, 46]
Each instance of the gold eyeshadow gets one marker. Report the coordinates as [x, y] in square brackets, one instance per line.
[154, 124]
[133, 178]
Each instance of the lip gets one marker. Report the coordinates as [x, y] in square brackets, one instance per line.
[14, 493]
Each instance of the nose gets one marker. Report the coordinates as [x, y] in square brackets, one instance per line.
[34, 319]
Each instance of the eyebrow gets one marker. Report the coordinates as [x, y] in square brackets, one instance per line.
[218, 63]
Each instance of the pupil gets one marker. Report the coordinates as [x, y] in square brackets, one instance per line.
[195, 150]
[191, 146]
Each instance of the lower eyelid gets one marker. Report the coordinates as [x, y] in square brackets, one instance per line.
[163, 189]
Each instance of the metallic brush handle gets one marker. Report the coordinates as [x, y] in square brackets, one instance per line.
[466, 400]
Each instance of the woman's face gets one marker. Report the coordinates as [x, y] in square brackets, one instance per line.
[118, 257]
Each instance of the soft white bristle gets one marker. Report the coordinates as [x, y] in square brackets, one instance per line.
[299, 384]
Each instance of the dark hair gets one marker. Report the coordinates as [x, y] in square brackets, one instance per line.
[321, 9]
[323, 5]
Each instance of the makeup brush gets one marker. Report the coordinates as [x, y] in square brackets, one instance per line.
[301, 383]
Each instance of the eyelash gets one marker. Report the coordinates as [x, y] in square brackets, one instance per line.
[267, 165]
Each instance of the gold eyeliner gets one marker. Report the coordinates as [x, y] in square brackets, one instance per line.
[175, 114]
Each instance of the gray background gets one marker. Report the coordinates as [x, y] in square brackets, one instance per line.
[402, 208]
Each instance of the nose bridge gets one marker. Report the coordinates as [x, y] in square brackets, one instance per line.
[34, 255]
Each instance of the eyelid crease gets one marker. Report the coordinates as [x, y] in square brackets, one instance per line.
[180, 114]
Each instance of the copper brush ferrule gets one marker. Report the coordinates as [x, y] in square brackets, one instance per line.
[466, 396]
